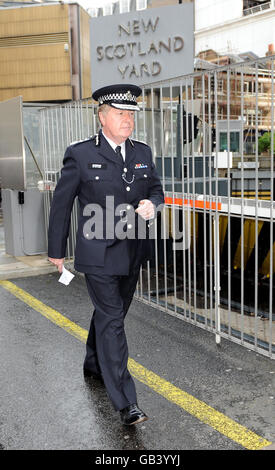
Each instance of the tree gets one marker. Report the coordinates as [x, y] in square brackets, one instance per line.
[264, 142]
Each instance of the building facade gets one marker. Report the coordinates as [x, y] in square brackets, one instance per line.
[125, 6]
[44, 52]
[234, 27]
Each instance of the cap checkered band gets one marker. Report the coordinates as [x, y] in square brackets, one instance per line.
[117, 97]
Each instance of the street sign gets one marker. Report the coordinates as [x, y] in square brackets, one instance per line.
[142, 47]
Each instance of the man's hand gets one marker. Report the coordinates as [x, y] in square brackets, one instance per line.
[146, 209]
[57, 262]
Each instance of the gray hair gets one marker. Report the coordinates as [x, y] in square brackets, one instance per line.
[104, 109]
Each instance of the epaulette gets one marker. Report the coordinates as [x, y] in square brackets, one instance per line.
[96, 139]
[133, 141]
[80, 141]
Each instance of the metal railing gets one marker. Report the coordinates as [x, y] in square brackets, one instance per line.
[214, 253]
[257, 8]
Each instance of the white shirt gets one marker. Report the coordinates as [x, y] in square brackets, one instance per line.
[114, 145]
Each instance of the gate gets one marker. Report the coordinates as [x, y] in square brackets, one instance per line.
[212, 139]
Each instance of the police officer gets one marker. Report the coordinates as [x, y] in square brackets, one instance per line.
[117, 187]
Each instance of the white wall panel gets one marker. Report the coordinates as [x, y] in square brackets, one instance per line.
[212, 12]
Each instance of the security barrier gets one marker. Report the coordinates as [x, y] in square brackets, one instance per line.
[211, 135]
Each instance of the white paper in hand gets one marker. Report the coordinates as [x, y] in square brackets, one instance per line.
[66, 277]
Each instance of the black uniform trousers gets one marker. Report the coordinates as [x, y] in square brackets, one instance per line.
[106, 347]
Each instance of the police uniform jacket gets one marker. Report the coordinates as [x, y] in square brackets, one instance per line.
[93, 171]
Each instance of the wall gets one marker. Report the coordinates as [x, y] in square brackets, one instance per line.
[85, 53]
[213, 12]
[34, 61]
[225, 31]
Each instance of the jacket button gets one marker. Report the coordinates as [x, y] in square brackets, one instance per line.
[125, 170]
[97, 177]
[129, 226]
[145, 176]
[128, 207]
[128, 188]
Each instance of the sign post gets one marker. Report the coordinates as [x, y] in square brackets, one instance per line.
[142, 47]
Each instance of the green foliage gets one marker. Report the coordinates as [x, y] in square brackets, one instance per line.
[264, 142]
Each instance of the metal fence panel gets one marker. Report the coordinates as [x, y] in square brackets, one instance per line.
[212, 139]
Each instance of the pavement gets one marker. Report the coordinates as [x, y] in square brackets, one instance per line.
[21, 266]
[198, 396]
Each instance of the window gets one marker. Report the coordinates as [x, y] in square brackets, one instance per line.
[234, 141]
[220, 85]
[108, 9]
[141, 4]
[93, 12]
[246, 87]
[124, 6]
[251, 7]
[261, 88]
[251, 117]
[249, 87]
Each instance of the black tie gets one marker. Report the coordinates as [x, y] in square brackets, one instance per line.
[118, 151]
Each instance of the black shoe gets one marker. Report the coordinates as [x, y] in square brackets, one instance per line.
[88, 373]
[132, 415]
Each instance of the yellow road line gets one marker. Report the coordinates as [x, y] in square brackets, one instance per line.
[205, 413]
[48, 312]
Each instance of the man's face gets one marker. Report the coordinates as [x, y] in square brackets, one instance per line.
[118, 124]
